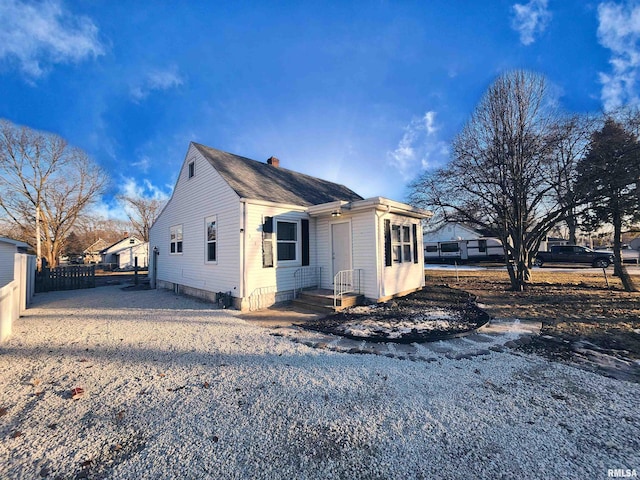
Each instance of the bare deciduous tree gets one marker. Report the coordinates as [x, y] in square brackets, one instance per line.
[500, 177]
[142, 212]
[45, 184]
[570, 138]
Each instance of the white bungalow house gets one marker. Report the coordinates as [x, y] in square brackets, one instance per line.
[123, 253]
[260, 232]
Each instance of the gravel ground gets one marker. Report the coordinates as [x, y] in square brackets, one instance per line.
[176, 389]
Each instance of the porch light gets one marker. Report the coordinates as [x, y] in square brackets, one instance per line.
[336, 213]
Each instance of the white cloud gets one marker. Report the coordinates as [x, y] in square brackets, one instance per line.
[530, 19]
[156, 80]
[142, 164]
[146, 189]
[114, 209]
[419, 148]
[619, 31]
[39, 34]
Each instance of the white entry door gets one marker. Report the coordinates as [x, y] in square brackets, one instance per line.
[340, 247]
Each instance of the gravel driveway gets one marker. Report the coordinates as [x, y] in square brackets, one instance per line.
[167, 387]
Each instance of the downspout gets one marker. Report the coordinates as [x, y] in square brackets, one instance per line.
[243, 240]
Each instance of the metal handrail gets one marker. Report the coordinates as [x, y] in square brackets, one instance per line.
[306, 277]
[345, 281]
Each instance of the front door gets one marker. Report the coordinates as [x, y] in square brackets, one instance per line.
[340, 247]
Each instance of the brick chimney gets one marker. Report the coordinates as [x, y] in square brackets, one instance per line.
[273, 161]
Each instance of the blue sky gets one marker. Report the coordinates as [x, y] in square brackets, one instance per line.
[368, 94]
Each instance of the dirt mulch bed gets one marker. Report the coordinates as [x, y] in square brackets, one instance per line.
[576, 309]
[433, 313]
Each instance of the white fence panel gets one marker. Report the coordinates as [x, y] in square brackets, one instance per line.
[8, 305]
[16, 296]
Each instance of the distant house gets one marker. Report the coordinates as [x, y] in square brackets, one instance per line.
[92, 254]
[259, 232]
[123, 253]
[17, 276]
[8, 249]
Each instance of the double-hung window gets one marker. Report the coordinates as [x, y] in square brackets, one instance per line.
[401, 243]
[175, 234]
[287, 240]
[211, 227]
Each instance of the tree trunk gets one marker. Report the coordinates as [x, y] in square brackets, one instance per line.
[572, 225]
[619, 270]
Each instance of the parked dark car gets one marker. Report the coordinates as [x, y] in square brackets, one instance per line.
[574, 254]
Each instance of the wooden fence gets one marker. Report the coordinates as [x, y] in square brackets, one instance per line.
[66, 278]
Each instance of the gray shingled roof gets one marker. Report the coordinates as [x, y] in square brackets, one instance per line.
[260, 181]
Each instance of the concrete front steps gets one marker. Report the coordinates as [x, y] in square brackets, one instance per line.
[321, 300]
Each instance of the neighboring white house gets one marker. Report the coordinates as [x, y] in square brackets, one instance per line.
[123, 253]
[255, 229]
[17, 276]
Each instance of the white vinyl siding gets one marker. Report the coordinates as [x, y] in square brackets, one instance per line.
[203, 193]
[7, 255]
[260, 279]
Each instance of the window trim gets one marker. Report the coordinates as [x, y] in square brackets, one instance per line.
[297, 242]
[401, 249]
[179, 244]
[207, 221]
